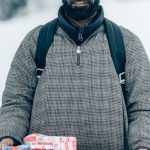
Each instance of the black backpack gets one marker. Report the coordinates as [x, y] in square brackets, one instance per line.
[114, 37]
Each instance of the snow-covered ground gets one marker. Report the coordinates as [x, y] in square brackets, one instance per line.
[133, 14]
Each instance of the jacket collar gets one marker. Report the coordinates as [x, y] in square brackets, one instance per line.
[80, 34]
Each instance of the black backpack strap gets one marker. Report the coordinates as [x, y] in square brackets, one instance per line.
[45, 40]
[117, 48]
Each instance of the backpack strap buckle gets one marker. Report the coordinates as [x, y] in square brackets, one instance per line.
[122, 78]
[39, 71]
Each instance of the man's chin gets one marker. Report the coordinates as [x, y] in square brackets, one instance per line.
[78, 16]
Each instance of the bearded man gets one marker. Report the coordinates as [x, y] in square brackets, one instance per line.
[78, 93]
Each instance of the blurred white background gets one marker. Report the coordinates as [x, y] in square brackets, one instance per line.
[132, 14]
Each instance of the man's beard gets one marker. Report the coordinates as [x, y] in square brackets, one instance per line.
[83, 12]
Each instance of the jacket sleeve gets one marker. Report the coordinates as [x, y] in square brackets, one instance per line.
[19, 90]
[137, 93]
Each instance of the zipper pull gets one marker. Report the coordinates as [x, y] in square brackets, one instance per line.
[78, 51]
[80, 37]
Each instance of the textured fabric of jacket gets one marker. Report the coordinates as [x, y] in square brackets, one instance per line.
[86, 101]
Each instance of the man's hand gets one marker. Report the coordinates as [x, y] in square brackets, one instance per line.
[6, 142]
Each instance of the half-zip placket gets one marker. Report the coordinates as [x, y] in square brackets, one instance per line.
[78, 49]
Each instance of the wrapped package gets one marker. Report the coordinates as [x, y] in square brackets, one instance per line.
[42, 142]
[19, 147]
[6, 148]
[22, 147]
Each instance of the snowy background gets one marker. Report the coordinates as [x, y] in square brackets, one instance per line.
[132, 14]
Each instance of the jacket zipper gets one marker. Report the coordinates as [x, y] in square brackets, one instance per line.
[78, 51]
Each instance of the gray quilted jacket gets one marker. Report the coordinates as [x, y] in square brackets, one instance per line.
[86, 101]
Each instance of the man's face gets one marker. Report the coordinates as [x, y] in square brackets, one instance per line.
[80, 9]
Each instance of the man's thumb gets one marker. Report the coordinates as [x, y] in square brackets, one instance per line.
[6, 142]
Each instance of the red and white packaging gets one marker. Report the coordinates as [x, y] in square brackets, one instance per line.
[43, 142]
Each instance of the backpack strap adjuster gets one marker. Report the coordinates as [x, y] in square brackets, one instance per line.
[45, 39]
[39, 71]
[122, 78]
